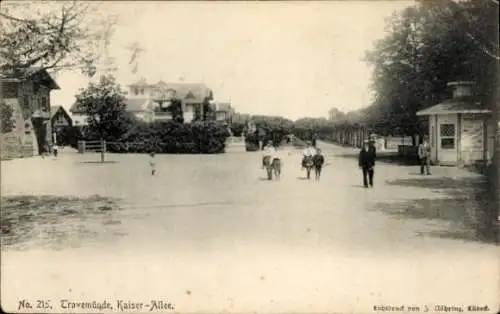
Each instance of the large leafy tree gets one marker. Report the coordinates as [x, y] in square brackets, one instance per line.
[54, 36]
[272, 127]
[104, 106]
[428, 45]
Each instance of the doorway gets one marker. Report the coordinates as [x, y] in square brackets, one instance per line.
[447, 147]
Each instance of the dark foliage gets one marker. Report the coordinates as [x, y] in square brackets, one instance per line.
[172, 137]
[6, 113]
[237, 128]
[69, 136]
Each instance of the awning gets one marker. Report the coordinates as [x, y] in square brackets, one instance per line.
[465, 104]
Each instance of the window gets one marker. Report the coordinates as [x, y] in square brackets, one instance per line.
[27, 128]
[136, 91]
[45, 104]
[447, 134]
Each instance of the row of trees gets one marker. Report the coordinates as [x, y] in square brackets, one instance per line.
[427, 45]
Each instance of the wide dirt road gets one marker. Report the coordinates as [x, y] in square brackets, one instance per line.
[210, 234]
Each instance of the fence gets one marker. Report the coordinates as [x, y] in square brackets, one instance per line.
[100, 147]
[93, 146]
[395, 142]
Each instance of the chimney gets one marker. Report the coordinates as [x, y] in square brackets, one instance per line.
[461, 88]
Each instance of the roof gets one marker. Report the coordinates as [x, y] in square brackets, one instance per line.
[465, 104]
[132, 105]
[195, 92]
[34, 72]
[54, 110]
[223, 106]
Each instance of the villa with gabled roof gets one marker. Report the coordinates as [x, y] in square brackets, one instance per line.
[150, 102]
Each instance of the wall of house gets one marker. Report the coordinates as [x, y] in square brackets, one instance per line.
[472, 138]
[433, 139]
[21, 141]
[490, 133]
[139, 92]
[60, 120]
[220, 116]
[79, 119]
[35, 101]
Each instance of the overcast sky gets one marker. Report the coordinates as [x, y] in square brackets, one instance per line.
[292, 59]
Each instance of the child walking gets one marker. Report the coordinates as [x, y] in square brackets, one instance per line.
[152, 163]
[318, 161]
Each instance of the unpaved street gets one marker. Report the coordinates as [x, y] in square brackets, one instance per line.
[209, 233]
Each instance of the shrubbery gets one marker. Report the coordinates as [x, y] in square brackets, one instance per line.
[203, 137]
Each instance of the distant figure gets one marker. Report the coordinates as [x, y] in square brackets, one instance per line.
[367, 162]
[318, 161]
[55, 150]
[152, 163]
[271, 161]
[313, 140]
[309, 152]
[373, 146]
[424, 154]
[270, 152]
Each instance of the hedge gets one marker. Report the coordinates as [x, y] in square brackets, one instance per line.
[171, 137]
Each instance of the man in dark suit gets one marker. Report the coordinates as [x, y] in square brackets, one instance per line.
[366, 162]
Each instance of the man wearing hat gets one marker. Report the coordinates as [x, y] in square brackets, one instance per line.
[424, 154]
[366, 163]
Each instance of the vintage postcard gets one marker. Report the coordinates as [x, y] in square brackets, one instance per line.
[249, 156]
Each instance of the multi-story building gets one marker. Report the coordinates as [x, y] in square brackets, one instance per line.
[150, 102]
[29, 97]
[224, 112]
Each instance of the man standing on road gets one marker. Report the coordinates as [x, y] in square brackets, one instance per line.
[367, 162]
[424, 154]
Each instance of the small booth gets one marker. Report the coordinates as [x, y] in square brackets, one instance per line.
[461, 129]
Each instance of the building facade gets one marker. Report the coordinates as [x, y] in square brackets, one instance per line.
[151, 102]
[461, 129]
[224, 112]
[60, 118]
[29, 97]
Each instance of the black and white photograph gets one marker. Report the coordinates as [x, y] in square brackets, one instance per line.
[249, 156]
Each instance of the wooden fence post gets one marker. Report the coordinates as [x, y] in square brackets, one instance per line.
[103, 149]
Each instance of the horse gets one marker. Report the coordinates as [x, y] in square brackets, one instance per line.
[308, 164]
[273, 166]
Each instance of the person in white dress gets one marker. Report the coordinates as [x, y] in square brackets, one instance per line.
[270, 151]
[309, 151]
